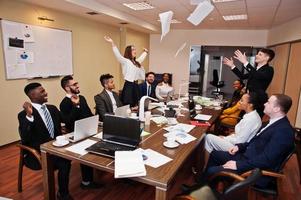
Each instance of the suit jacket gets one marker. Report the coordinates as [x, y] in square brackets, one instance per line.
[104, 104]
[143, 90]
[72, 113]
[269, 149]
[35, 133]
[258, 80]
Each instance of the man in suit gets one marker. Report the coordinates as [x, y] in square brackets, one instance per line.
[148, 87]
[74, 107]
[267, 150]
[108, 100]
[259, 78]
[40, 123]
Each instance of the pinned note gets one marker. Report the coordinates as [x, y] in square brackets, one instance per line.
[165, 19]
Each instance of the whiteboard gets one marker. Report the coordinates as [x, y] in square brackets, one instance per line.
[35, 51]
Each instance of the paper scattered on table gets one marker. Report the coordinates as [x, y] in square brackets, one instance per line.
[165, 19]
[160, 120]
[98, 135]
[129, 164]
[153, 158]
[144, 133]
[202, 117]
[202, 10]
[172, 121]
[180, 127]
[180, 49]
[180, 136]
[80, 147]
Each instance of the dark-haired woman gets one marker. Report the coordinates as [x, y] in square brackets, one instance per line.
[132, 72]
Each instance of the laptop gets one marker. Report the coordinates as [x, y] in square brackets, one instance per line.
[119, 134]
[122, 111]
[84, 128]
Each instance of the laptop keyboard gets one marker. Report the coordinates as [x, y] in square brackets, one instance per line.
[112, 147]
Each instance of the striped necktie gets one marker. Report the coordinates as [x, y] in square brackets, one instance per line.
[49, 122]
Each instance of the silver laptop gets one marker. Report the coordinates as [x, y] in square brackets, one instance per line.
[122, 111]
[84, 128]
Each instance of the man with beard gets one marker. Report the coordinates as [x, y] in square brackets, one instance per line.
[74, 107]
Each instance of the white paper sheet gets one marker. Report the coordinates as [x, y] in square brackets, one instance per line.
[201, 11]
[202, 117]
[80, 147]
[129, 164]
[165, 19]
[159, 120]
[153, 158]
[180, 136]
[180, 127]
[180, 49]
[98, 135]
[27, 33]
[25, 57]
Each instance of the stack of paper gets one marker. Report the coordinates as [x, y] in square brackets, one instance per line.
[202, 117]
[153, 158]
[80, 147]
[160, 120]
[129, 164]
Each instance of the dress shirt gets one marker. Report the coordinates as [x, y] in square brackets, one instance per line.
[112, 100]
[148, 89]
[163, 90]
[246, 128]
[269, 124]
[38, 107]
[130, 71]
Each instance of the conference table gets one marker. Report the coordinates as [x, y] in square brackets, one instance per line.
[162, 178]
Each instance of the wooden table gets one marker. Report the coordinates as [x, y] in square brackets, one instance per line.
[161, 178]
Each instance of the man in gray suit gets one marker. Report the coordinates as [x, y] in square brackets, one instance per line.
[108, 100]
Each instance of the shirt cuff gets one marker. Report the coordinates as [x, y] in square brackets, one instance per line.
[30, 118]
[233, 67]
[245, 65]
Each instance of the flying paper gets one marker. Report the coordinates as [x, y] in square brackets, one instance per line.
[201, 11]
[180, 49]
[165, 19]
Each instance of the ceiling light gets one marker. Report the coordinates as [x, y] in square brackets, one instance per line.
[139, 5]
[222, 1]
[173, 21]
[235, 17]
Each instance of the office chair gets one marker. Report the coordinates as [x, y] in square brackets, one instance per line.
[236, 191]
[216, 83]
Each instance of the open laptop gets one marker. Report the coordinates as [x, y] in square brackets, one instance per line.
[119, 134]
[84, 128]
[122, 111]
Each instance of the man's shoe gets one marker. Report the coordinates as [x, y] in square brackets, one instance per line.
[91, 185]
[64, 197]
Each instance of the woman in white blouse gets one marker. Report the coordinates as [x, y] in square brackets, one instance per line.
[164, 88]
[132, 72]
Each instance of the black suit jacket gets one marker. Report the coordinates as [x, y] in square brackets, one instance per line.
[104, 104]
[143, 90]
[72, 113]
[35, 133]
[258, 80]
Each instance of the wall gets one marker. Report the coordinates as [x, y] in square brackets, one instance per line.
[92, 56]
[162, 53]
[287, 32]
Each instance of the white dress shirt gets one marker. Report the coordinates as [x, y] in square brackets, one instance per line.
[130, 71]
[38, 107]
[112, 100]
[163, 90]
[246, 129]
[272, 121]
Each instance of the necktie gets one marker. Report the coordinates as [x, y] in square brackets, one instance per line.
[149, 90]
[49, 122]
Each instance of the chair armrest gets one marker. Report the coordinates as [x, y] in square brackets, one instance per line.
[265, 173]
[31, 150]
[227, 174]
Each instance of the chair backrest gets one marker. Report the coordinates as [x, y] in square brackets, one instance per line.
[215, 77]
[281, 166]
[241, 187]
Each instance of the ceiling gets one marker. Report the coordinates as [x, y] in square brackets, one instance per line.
[262, 14]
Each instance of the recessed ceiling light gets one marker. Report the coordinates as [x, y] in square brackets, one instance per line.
[173, 21]
[222, 1]
[235, 17]
[139, 5]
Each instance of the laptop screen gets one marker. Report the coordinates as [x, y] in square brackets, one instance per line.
[121, 130]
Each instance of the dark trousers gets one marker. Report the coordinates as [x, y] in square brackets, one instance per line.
[87, 173]
[63, 166]
[130, 93]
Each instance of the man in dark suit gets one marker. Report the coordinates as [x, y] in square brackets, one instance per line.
[259, 78]
[74, 107]
[267, 150]
[148, 87]
[40, 123]
[108, 100]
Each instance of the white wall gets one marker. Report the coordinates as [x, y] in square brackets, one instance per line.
[287, 32]
[162, 53]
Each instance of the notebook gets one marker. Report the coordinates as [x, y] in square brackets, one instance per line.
[119, 134]
[84, 128]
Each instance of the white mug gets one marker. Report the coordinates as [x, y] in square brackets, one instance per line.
[60, 139]
[171, 140]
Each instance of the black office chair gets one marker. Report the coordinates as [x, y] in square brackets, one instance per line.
[216, 83]
[236, 191]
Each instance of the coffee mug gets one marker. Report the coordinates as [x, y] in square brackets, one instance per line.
[60, 139]
[171, 140]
